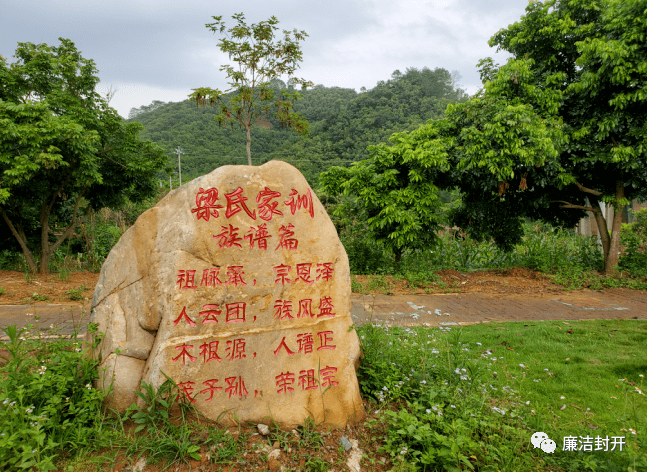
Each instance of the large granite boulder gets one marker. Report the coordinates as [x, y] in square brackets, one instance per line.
[237, 287]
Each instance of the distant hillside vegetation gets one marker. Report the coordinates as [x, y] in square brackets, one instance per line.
[342, 122]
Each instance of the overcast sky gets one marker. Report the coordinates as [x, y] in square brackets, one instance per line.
[160, 49]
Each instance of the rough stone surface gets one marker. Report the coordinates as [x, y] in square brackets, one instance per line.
[124, 373]
[240, 295]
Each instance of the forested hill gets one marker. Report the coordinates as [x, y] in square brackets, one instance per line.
[342, 123]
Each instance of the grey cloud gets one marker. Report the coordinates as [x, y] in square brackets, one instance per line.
[165, 44]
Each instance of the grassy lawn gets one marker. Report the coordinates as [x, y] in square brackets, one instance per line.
[438, 399]
[475, 395]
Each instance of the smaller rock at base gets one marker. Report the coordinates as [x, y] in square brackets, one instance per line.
[346, 443]
[263, 429]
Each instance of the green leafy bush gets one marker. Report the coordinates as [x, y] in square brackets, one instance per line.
[633, 241]
[47, 402]
[10, 260]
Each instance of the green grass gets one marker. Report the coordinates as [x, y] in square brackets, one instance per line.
[512, 385]
[76, 293]
[440, 399]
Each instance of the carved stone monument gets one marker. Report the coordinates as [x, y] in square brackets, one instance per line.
[237, 287]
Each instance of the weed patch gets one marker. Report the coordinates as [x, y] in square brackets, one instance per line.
[76, 293]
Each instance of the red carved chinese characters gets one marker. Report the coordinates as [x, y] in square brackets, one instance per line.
[283, 309]
[258, 235]
[209, 351]
[304, 269]
[208, 206]
[210, 277]
[211, 387]
[236, 203]
[328, 376]
[305, 342]
[235, 274]
[184, 316]
[184, 354]
[282, 272]
[205, 200]
[305, 308]
[325, 307]
[185, 279]
[235, 312]
[325, 271]
[286, 240]
[297, 201]
[325, 337]
[283, 382]
[287, 349]
[303, 272]
[236, 349]
[228, 237]
[266, 207]
[210, 313]
[235, 387]
[307, 380]
[186, 389]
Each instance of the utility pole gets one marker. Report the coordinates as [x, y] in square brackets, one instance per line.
[179, 151]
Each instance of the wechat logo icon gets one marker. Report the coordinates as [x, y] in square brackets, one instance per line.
[542, 440]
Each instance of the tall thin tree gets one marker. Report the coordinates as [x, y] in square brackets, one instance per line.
[260, 60]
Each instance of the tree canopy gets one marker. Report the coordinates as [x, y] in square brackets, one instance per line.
[63, 151]
[580, 69]
[396, 189]
[555, 131]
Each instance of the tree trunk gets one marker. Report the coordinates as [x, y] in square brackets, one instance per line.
[611, 260]
[610, 242]
[602, 227]
[22, 240]
[45, 250]
[398, 257]
[249, 145]
[45, 255]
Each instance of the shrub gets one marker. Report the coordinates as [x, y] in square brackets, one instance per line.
[48, 405]
[633, 242]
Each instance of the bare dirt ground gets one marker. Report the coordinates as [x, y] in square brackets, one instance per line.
[38, 289]
[53, 288]
[499, 281]
[20, 289]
